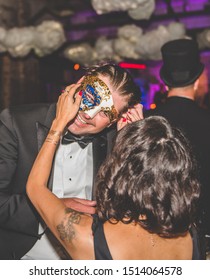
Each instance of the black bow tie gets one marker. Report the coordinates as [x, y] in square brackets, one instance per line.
[83, 141]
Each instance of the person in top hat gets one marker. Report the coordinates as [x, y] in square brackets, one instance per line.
[180, 72]
[181, 63]
[107, 92]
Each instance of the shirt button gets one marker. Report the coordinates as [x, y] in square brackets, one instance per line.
[69, 179]
[70, 157]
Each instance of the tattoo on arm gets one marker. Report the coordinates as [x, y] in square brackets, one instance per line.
[66, 228]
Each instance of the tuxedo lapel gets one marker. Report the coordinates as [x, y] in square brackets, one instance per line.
[99, 154]
[42, 131]
[50, 115]
[102, 146]
[43, 128]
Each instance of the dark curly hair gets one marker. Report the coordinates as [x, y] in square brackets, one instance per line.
[150, 173]
[121, 81]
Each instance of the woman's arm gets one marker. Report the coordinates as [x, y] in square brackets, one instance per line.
[62, 221]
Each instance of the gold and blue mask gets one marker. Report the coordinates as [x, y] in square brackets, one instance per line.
[97, 97]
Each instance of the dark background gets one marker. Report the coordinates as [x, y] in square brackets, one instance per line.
[40, 79]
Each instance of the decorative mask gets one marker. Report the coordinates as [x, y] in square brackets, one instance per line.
[97, 97]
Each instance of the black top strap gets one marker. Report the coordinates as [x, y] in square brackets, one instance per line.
[101, 248]
[198, 251]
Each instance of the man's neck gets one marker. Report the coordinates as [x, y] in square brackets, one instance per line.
[179, 92]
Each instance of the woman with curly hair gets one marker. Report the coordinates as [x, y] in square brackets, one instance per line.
[146, 194]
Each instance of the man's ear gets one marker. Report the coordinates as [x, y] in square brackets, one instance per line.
[111, 123]
[196, 83]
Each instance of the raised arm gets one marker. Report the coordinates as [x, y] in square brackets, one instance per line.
[62, 221]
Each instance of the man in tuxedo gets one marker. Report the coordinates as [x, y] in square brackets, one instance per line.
[108, 93]
[180, 72]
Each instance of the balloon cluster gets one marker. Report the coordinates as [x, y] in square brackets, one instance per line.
[43, 39]
[137, 9]
[131, 42]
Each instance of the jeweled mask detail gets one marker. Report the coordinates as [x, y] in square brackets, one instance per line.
[97, 97]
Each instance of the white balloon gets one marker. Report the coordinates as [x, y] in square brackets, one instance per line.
[49, 36]
[137, 9]
[130, 32]
[43, 39]
[151, 42]
[143, 11]
[2, 38]
[19, 41]
[104, 49]
[177, 30]
[125, 48]
[203, 39]
[131, 43]
[83, 53]
[2, 34]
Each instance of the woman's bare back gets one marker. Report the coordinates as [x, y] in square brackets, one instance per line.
[133, 242]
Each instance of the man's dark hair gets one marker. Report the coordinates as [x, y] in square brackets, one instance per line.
[150, 178]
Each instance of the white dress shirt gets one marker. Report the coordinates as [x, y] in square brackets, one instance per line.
[73, 177]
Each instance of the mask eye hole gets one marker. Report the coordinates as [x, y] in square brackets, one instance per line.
[90, 98]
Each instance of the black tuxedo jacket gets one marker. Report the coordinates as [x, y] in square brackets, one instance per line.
[22, 133]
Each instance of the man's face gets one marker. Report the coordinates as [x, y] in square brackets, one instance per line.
[97, 97]
[99, 107]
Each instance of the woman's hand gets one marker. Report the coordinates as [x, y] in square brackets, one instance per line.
[133, 114]
[67, 107]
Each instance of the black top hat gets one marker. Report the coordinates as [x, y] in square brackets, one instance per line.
[181, 63]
